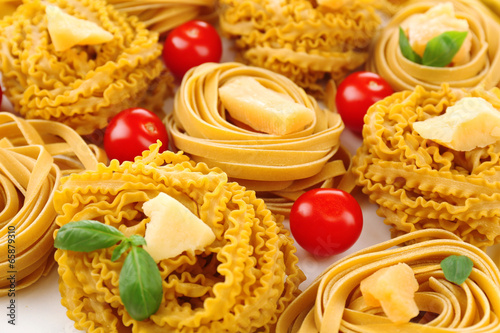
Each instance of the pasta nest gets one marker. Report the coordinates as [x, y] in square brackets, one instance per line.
[84, 85]
[34, 155]
[421, 184]
[482, 69]
[300, 40]
[279, 167]
[334, 303]
[239, 283]
[164, 15]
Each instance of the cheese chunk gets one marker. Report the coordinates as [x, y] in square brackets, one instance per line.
[67, 31]
[173, 228]
[264, 109]
[472, 122]
[421, 28]
[393, 288]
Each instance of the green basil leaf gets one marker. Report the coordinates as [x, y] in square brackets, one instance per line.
[140, 284]
[120, 249]
[137, 240]
[457, 269]
[406, 49]
[441, 49]
[87, 236]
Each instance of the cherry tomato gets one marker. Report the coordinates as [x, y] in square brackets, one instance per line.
[356, 93]
[131, 132]
[191, 44]
[326, 221]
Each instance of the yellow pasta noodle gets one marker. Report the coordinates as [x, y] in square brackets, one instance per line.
[421, 184]
[334, 303]
[241, 282]
[483, 68]
[85, 85]
[34, 155]
[164, 15]
[300, 40]
[281, 166]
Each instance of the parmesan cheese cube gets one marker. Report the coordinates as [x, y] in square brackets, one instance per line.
[173, 228]
[264, 109]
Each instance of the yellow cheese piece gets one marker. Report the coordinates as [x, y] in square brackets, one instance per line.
[67, 31]
[173, 228]
[421, 28]
[264, 109]
[394, 289]
[471, 123]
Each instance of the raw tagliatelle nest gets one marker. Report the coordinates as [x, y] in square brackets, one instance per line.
[279, 167]
[242, 282]
[85, 85]
[34, 155]
[300, 40]
[164, 15]
[421, 184]
[334, 302]
[482, 69]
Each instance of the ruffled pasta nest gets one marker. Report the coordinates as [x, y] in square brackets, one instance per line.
[302, 41]
[34, 155]
[420, 184]
[280, 168]
[482, 69]
[164, 15]
[84, 85]
[334, 303]
[241, 282]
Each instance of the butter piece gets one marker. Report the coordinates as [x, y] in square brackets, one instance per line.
[421, 28]
[264, 109]
[67, 31]
[173, 228]
[472, 122]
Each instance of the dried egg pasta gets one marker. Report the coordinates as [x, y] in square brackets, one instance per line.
[300, 40]
[483, 69]
[85, 85]
[280, 165]
[34, 155]
[164, 15]
[420, 184]
[241, 282]
[334, 303]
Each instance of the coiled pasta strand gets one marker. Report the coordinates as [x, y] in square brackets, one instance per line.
[282, 166]
[334, 303]
[164, 15]
[242, 282]
[85, 85]
[302, 41]
[35, 155]
[420, 184]
[482, 70]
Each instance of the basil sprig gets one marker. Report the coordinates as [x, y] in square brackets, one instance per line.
[140, 282]
[438, 52]
[457, 269]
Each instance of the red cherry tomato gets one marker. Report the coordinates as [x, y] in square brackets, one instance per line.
[326, 221]
[191, 44]
[356, 93]
[131, 132]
